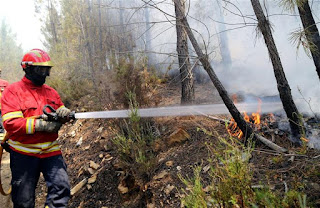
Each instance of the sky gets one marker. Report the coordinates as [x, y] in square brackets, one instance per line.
[20, 15]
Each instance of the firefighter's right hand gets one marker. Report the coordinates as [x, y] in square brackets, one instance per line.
[47, 126]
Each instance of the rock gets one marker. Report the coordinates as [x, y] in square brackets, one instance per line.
[168, 189]
[92, 179]
[101, 156]
[314, 186]
[151, 205]
[178, 136]
[73, 134]
[91, 171]
[99, 130]
[122, 189]
[161, 160]
[160, 175]
[169, 163]
[81, 205]
[94, 165]
[206, 168]
[87, 147]
[179, 168]
[107, 158]
[79, 142]
[89, 187]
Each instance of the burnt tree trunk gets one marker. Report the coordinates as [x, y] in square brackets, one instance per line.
[245, 128]
[186, 75]
[311, 31]
[282, 83]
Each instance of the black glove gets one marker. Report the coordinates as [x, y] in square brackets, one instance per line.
[48, 126]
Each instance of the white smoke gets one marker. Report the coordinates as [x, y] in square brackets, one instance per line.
[251, 71]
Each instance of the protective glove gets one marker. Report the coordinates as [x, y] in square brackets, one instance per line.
[48, 126]
[63, 112]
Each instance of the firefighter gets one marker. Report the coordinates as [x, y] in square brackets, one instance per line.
[32, 141]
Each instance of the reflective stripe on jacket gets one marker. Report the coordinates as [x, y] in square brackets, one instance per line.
[21, 103]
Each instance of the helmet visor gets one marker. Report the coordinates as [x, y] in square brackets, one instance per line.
[42, 70]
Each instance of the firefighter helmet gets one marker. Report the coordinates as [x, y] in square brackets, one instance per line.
[36, 57]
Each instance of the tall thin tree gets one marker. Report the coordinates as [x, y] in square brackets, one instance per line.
[186, 75]
[282, 83]
[311, 31]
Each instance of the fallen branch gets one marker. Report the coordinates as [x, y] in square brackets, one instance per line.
[270, 144]
[82, 183]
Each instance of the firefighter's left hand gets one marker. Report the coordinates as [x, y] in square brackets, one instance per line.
[63, 112]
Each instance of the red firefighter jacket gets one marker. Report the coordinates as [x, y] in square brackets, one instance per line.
[21, 102]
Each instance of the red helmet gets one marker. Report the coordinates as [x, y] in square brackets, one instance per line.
[36, 57]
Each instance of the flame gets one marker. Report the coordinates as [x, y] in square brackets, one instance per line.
[304, 139]
[233, 129]
[254, 118]
[246, 117]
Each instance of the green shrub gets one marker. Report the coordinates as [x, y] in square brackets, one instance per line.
[230, 182]
[134, 143]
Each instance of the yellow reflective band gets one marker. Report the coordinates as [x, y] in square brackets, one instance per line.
[39, 148]
[52, 149]
[36, 53]
[47, 63]
[61, 107]
[44, 145]
[15, 114]
[30, 126]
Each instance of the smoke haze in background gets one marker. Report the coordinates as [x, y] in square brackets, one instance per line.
[251, 71]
